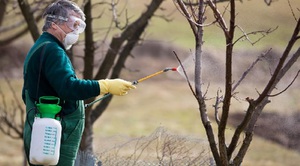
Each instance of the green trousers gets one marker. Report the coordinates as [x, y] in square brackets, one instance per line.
[72, 129]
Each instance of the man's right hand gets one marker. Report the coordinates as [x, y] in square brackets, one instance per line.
[115, 86]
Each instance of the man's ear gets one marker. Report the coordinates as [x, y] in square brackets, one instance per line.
[53, 25]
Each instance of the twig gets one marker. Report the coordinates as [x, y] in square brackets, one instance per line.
[219, 18]
[206, 91]
[185, 74]
[219, 99]
[290, 5]
[287, 86]
[246, 35]
[13, 92]
[249, 69]
[181, 7]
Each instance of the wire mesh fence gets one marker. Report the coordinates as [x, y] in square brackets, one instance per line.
[161, 148]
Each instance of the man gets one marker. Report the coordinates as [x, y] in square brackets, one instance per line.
[49, 72]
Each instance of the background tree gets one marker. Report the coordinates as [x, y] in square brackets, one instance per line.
[12, 114]
[223, 152]
[119, 49]
[25, 16]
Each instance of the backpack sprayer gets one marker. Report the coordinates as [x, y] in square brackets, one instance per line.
[134, 83]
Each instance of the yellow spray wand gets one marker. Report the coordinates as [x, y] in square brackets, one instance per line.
[134, 83]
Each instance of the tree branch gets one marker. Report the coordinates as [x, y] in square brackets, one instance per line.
[219, 18]
[8, 122]
[131, 34]
[117, 69]
[256, 106]
[219, 100]
[30, 20]
[246, 35]
[117, 41]
[249, 69]
[28, 15]
[287, 86]
[274, 79]
[228, 85]
[185, 74]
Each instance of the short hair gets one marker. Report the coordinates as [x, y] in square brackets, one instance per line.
[59, 12]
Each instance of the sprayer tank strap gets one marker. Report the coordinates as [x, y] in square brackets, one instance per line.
[40, 66]
[40, 70]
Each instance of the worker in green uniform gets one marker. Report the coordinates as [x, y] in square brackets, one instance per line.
[49, 72]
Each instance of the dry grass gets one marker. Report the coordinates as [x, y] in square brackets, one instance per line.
[161, 102]
[176, 110]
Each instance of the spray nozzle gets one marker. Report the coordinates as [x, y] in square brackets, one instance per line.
[170, 68]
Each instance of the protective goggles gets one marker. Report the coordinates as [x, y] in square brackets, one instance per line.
[74, 23]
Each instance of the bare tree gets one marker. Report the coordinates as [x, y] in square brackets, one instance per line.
[3, 4]
[119, 49]
[25, 14]
[12, 114]
[232, 153]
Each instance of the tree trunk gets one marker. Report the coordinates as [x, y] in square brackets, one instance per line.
[87, 137]
[130, 36]
[29, 17]
[3, 4]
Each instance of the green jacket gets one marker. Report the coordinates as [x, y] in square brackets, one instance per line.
[57, 76]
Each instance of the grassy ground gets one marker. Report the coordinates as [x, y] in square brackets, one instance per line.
[161, 103]
[170, 105]
[167, 103]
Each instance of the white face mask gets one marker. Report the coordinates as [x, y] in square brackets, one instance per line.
[70, 39]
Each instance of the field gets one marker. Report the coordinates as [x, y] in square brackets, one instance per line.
[166, 101]
[154, 104]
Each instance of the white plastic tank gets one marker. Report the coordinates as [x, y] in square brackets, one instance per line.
[45, 141]
[46, 133]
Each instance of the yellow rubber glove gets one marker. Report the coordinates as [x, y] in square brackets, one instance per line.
[115, 86]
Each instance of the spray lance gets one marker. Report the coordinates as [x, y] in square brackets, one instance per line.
[134, 83]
